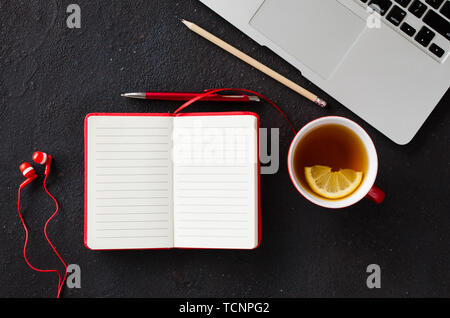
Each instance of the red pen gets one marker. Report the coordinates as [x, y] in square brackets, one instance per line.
[188, 96]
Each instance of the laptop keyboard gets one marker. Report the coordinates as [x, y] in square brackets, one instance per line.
[425, 23]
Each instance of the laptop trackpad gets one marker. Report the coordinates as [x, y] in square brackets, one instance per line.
[318, 33]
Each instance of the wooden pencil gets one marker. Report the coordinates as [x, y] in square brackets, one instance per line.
[256, 64]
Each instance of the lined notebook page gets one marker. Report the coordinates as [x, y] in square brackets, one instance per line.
[215, 181]
[129, 197]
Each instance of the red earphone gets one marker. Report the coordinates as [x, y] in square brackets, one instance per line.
[43, 159]
[28, 171]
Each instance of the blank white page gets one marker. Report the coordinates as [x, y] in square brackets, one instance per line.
[129, 182]
[215, 181]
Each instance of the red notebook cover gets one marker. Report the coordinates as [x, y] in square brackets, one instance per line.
[170, 115]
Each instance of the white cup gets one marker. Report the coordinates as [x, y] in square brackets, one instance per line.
[365, 189]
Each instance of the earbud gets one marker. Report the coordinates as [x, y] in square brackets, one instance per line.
[40, 157]
[43, 159]
[28, 172]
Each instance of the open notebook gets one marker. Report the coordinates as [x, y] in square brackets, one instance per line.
[165, 181]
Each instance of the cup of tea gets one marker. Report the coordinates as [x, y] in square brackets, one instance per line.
[333, 163]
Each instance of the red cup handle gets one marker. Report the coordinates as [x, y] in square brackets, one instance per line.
[376, 195]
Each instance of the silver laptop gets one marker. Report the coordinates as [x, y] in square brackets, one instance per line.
[387, 61]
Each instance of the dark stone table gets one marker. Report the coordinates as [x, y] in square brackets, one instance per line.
[52, 76]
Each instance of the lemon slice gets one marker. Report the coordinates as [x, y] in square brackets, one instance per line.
[332, 184]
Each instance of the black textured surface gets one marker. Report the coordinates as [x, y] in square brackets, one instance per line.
[52, 76]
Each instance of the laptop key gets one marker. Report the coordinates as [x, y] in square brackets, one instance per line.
[438, 23]
[436, 50]
[380, 6]
[445, 10]
[424, 36]
[403, 3]
[434, 3]
[417, 8]
[396, 15]
[408, 29]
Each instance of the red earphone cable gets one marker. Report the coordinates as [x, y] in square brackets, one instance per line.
[25, 248]
[60, 285]
[239, 90]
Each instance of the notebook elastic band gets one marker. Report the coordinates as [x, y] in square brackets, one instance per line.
[238, 90]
